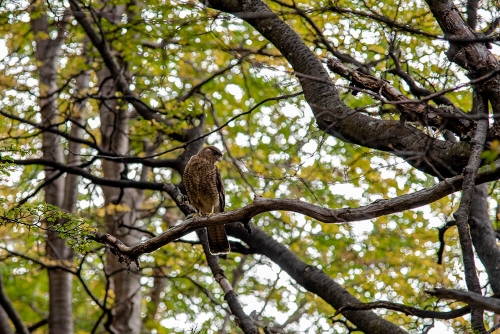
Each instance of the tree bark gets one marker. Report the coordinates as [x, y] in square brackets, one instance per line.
[60, 282]
[114, 133]
[430, 155]
[476, 58]
[484, 236]
[463, 212]
[4, 322]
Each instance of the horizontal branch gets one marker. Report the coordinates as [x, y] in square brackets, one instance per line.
[322, 214]
[408, 310]
[51, 128]
[101, 153]
[149, 161]
[89, 176]
[473, 299]
[382, 19]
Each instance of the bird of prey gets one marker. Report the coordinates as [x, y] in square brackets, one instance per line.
[205, 191]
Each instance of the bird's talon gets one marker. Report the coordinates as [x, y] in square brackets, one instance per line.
[193, 215]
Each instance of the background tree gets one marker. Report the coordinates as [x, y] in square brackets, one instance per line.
[348, 128]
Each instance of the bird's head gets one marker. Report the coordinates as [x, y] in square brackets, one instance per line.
[211, 153]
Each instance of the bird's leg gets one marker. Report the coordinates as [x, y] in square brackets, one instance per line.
[211, 213]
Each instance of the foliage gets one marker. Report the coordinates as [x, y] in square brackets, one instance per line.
[186, 60]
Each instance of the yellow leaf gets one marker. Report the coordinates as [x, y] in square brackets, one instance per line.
[42, 35]
[122, 208]
[101, 212]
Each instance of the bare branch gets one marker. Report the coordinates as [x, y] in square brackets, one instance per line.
[474, 57]
[473, 299]
[196, 88]
[462, 214]
[54, 130]
[415, 89]
[101, 153]
[342, 56]
[408, 310]
[85, 174]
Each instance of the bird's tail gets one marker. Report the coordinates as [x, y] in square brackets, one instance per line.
[217, 240]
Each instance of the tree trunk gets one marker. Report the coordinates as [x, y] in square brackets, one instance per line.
[60, 282]
[121, 213]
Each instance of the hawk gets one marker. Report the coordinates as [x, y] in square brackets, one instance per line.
[205, 191]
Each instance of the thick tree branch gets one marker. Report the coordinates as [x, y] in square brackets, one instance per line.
[455, 121]
[85, 174]
[439, 158]
[484, 236]
[408, 310]
[5, 327]
[261, 205]
[473, 299]
[474, 57]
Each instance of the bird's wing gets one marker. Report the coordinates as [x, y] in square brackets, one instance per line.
[220, 190]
